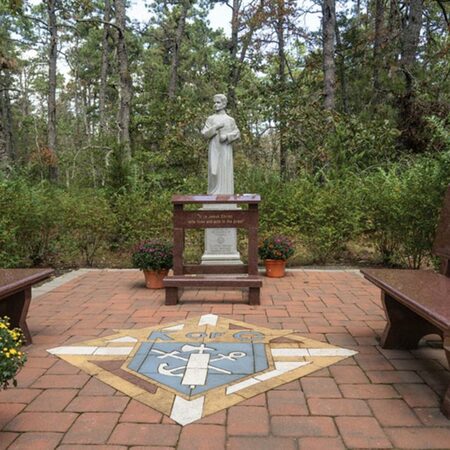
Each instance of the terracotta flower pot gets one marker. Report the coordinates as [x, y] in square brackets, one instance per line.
[154, 279]
[275, 268]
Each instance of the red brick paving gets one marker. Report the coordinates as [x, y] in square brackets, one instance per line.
[91, 428]
[377, 399]
[303, 426]
[321, 444]
[282, 403]
[52, 400]
[36, 441]
[248, 421]
[6, 438]
[145, 434]
[139, 413]
[41, 421]
[202, 437]
[362, 432]
[260, 443]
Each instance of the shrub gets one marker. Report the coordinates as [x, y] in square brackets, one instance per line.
[329, 216]
[355, 144]
[140, 214]
[9, 252]
[88, 222]
[279, 200]
[381, 193]
[402, 205]
[31, 216]
[11, 358]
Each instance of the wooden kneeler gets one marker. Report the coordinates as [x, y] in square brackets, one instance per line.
[207, 275]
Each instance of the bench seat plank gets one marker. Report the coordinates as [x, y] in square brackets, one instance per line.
[213, 281]
[425, 292]
[13, 280]
[15, 294]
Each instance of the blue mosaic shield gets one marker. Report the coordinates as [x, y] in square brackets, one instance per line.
[192, 368]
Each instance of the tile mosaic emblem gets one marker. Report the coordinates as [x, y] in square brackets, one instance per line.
[199, 366]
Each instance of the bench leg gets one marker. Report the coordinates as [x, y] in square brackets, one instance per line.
[445, 406]
[17, 310]
[253, 296]
[171, 295]
[404, 328]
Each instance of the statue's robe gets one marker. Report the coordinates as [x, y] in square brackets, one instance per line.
[220, 154]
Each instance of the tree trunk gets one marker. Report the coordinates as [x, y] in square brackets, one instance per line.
[125, 81]
[255, 20]
[377, 57]
[342, 74]
[282, 86]
[410, 41]
[51, 102]
[394, 28]
[410, 119]
[7, 150]
[232, 79]
[104, 68]
[173, 80]
[329, 67]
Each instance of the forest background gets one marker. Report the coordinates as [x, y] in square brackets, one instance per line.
[344, 130]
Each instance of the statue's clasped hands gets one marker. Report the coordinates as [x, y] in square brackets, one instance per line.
[221, 137]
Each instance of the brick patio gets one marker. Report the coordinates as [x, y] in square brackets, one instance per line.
[376, 399]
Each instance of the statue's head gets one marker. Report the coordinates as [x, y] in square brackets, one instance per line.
[220, 102]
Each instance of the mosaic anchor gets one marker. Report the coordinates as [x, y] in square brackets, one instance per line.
[197, 362]
[199, 366]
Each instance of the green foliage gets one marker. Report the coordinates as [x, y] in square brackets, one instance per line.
[279, 208]
[357, 144]
[9, 252]
[401, 207]
[153, 255]
[11, 357]
[373, 170]
[140, 214]
[88, 222]
[329, 216]
[381, 203]
[31, 218]
[118, 170]
[392, 209]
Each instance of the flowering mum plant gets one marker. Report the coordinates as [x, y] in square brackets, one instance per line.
[153, 255]
[11, 358]
[276, 247]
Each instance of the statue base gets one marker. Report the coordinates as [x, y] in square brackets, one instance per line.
[221, 243]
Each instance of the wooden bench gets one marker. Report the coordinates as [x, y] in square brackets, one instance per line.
[15, 295]
[234, 276]
[417, 302]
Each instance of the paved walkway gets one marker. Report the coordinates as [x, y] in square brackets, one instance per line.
[376, 399]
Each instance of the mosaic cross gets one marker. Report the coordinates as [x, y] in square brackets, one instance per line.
[199, 366]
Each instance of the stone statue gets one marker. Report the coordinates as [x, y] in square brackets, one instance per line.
[221, 130]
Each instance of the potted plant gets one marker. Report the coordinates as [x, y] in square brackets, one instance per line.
[275, 250]
[154, 258]
[11, 358]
